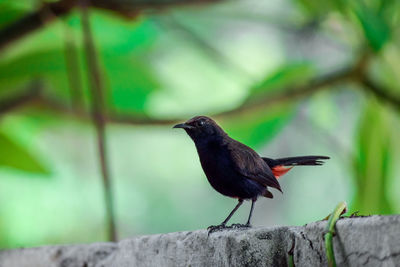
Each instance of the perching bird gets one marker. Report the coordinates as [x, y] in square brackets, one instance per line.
[234, 169]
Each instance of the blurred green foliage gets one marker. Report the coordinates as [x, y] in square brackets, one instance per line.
[15, 156]
[284, 77]
[257, 66]
[373, 160]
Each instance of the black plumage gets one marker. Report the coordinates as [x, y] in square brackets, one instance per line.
[234, 169]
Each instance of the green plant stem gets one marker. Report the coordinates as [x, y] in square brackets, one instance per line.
[290, 255]
[330, 255]
[291, 261]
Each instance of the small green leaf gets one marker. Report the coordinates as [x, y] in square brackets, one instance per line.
[284, 76]
[15, 156]
[376, 29]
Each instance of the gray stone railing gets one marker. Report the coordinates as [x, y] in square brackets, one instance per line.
[362, 241]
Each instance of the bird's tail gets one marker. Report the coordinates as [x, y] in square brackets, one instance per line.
[295, 161]
[278, 166]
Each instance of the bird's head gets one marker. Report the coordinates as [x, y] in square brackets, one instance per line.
[201, 128]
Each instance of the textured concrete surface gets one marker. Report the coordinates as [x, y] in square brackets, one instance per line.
[367, 241]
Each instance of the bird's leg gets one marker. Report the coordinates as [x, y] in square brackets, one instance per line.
[232, 212]
[214, 228]
[253, 201]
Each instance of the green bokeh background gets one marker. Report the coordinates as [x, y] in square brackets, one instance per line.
[186, 61]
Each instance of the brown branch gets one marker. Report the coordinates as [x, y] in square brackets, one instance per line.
[382, 93]
[132, 8]
[33, 21]
[97, 102]
[293, 93]
[289, 94]
[50, 10]
[347, 74]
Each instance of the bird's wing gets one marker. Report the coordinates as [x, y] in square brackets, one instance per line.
[249, 164]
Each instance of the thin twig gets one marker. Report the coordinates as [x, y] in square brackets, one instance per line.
[98, 119]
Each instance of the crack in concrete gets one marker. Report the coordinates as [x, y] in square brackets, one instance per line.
[303, 235]
[391, 255]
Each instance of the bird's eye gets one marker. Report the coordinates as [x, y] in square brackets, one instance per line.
[200, 123]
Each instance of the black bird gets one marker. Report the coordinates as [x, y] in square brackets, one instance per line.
[234, 169]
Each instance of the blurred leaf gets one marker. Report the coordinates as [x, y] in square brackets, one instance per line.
[8, 14]
[32, 64]
[15, 156]
[123, 36]
[314, 7]
[317, 8]
[127, 75]
[260, 126]
[325, 112]
[130, 83]
[376, 29]
[129, 80]
[372, 161]
[47, 65]
[284, 76]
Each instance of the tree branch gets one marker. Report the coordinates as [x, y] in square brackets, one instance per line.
[97, 102]
[294, 93]
[382, 93]
[33, 21]
[351, 73]
[131, 8]
[50, 10]
[289, 94]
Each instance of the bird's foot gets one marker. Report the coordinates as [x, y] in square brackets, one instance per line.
[216, 228]
[240, 226]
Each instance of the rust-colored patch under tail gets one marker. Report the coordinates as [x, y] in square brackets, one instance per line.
[280, 170]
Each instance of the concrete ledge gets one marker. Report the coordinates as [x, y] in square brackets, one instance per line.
[367, 241]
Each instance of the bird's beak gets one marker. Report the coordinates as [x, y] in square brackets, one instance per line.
[183, 126]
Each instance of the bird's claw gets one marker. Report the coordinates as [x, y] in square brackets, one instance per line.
[239, 225]
[216, 228]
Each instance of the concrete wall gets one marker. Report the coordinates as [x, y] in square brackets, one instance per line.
[364, 241]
